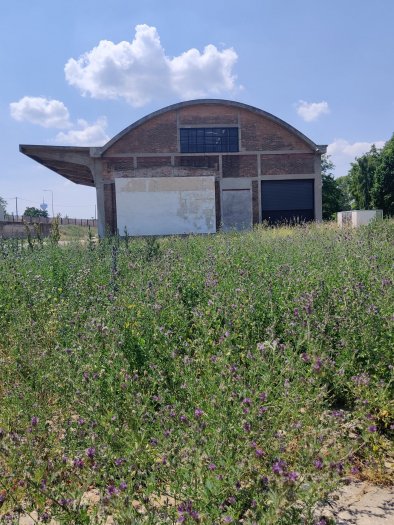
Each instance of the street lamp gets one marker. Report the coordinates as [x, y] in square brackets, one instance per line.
[53, 215]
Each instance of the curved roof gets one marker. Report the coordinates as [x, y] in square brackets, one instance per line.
[196, 102]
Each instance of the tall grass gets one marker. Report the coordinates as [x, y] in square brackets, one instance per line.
[223, 379]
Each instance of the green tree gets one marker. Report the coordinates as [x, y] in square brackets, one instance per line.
[35, 212]
[332, 194]
[362, 178]
[3, 205]
[382, 193]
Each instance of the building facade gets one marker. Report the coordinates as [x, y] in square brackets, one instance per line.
[196, 167]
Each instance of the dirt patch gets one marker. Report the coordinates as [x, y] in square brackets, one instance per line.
[360, 503]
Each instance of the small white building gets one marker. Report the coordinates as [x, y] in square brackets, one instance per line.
[358, 217]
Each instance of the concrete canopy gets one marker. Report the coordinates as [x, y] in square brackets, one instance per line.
[73, 163]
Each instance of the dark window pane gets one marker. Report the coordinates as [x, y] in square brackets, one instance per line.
[198, 140]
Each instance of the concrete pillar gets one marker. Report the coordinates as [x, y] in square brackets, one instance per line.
[97, 171]
[318, 190]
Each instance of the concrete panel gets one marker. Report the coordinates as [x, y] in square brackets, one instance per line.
[237, 209]
[165, 206]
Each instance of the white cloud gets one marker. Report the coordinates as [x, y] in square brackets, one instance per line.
[41, 111]
[343, 153]
[140, 71]
[311, 110]
[84, 134]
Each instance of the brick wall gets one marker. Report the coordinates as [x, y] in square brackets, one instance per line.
[153, 162]
[207, 114]
[239, 165]
[259, 134]
[287, 164]
[156, 135]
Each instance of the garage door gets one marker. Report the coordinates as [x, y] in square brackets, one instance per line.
[287, 201]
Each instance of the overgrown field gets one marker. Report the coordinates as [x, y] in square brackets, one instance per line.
[221, 379]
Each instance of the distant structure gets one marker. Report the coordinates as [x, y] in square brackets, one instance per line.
[196, 167]
[358, 217]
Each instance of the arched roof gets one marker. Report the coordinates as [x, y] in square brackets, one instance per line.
[232, 103]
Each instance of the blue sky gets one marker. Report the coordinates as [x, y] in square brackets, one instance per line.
[79, 71]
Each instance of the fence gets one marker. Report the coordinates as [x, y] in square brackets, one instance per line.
[49, 220]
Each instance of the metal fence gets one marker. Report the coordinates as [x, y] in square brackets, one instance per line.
[49, 220]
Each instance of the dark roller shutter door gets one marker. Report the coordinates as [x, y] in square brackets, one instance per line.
[287, 200]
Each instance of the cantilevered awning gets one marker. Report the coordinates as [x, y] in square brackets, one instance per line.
[73, 163]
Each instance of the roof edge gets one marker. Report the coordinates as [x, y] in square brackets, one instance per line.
[195, 102]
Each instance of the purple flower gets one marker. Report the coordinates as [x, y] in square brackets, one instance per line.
[259, 452]
[247, 427]
[305, 357]
[119, 461]
[78, 463]
[261, 347]
[81, 421]
[198, 412]
[293, 476]
[318, 463]
[90, 452]
[34, 421]
[123, 485]
[112, 490]
[247, 401]
[212, 466]
[263, 396]
[279, 467]
[228, 519]
[296, 312]
[372, 428]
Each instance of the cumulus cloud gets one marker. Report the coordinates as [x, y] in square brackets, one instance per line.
[343, 153]
[84, 134]
[310, 111]
[42, 111]
[140, 71]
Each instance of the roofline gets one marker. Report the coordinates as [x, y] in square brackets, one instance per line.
[23, 147]
[195, 102]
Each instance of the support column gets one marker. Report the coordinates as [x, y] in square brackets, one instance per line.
[97, 171]
[318, 190]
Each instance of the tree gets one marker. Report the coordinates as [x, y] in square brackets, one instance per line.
[362, 178]
[35, 212]
[3, 205]
[334, 199]
[382, 193]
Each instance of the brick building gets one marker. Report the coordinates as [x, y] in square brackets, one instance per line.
[194, 167]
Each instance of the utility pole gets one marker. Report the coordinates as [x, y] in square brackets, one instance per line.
[16, 207]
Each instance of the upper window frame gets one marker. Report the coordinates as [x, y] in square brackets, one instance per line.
[209, 139]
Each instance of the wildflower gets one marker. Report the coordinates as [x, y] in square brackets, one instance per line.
[212, 466]
[261, 347]
[227, 519]
[372, 428]
[247, 401]
[81, 421]
[279, 467]
[263, 396]
[123, 485]
[305, 357]
[354, 470]
[112, 490]
[293, 476]
[198, 412]
[90, 452]
[247, 427]
[34, 421]
[296, 312]
[259, 452]
[78, 463]
[318, 463]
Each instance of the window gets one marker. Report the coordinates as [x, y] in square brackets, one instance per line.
[208, 140]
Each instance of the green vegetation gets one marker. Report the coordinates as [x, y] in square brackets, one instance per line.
[216, 379]
[71, 232]
[35, 212]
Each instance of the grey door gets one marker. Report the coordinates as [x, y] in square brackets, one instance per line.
[236, 209]
[288, 201]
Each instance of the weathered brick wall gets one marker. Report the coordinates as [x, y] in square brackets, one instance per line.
[239, 165]
[260, 134]
[202, 114]
[211, 162]
[156, 135]
[153, 162]
[297, 164]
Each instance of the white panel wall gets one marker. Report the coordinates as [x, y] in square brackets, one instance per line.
[165, 205]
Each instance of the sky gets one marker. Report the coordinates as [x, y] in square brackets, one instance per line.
[77, 72]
